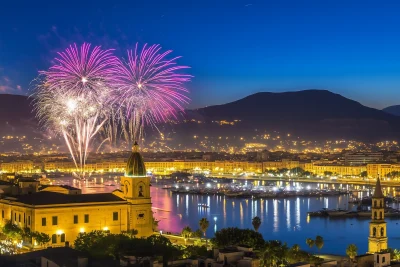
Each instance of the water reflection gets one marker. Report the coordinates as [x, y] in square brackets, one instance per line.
[279, 217]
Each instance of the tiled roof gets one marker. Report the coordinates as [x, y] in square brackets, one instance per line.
[49, 198]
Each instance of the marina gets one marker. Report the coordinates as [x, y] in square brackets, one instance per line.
[284, 218]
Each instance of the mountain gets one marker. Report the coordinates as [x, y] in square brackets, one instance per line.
[311, 115]
[394, 110]
[16, 116]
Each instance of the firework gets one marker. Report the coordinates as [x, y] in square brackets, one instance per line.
[72, 99]
[149, 89]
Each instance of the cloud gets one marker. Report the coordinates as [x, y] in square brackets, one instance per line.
[7, 86]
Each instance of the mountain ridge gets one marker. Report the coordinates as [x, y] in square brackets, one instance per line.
[313, 114]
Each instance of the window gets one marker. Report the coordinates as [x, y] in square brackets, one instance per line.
[19, 217]
[15, 216]
[375, 204]
[375, 215]
[115, 216]
[86, 218]
[140, 191]
[29, 220]
[43, 221]
[75, 219]
[24, 218]
[383, 259]
[2, 214]
[54, 239]
[62, 237]
[380, 214]
[382, 232]
[54, 220]
[374, 231]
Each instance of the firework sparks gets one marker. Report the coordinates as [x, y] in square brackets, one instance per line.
[72, 99]
[149, 89]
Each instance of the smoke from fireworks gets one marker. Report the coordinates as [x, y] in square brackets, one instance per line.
[72, 97]
[149, 89]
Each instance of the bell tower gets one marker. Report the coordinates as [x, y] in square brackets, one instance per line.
[135, 185]
[377, 239]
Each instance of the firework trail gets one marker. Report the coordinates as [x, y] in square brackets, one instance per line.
[72, 98]
[148, 89]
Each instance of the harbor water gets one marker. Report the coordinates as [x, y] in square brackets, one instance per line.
[284, 219]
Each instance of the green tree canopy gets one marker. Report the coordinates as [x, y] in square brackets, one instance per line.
[256, 222]
[351, 251]
[234, 236]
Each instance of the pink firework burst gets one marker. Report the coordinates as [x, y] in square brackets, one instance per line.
[150, 88]
[83, 71]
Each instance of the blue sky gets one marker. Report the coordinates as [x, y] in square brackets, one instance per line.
[234, 48]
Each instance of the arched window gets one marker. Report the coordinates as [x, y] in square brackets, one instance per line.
[382, 232]
[54, 239]
[126, 189]
[62, 237]
[374, 231]
[375, 204]
[380, 213]
[375, 215]
[140, 191]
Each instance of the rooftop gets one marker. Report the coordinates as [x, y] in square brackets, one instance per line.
[51, 198]
[135, 166]
[68, 187]
[378, 190]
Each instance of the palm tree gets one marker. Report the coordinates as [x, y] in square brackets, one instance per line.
[296, 247]
[186, 233]
[310, 242]
[204, 223]
[256, 223]
[351, 251]
[319, 242]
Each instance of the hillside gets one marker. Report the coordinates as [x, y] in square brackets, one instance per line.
[310, 114]
[394, 110]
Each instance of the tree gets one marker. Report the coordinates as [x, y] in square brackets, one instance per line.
[364, 174]
[41, 238]
[351, 251]
[131, 233]
[328, 173]
[186, 232]
[310, 242]
[297, 171]
[233, 236]
[85, 241]
[256, 222]
[319, 242]
[198, 233]
[204, 224]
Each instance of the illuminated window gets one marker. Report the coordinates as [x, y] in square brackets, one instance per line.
[115, 216]
[54, 220]
[43, 221]
[86, 218]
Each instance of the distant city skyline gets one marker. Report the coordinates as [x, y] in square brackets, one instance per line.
[235, 48]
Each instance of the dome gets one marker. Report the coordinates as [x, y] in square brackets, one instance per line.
[135, 166]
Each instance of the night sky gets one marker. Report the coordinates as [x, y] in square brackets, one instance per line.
[235, 48]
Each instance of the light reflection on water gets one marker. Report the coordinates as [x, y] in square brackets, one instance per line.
[282, 219]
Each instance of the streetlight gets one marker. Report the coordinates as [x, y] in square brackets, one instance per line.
[215, 220]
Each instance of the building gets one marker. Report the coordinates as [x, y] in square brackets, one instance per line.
[377, 240]
[18, 166]
[360, 158]
[65, 212]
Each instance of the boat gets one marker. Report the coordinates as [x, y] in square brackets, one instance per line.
[233, 194]
[336, 212]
